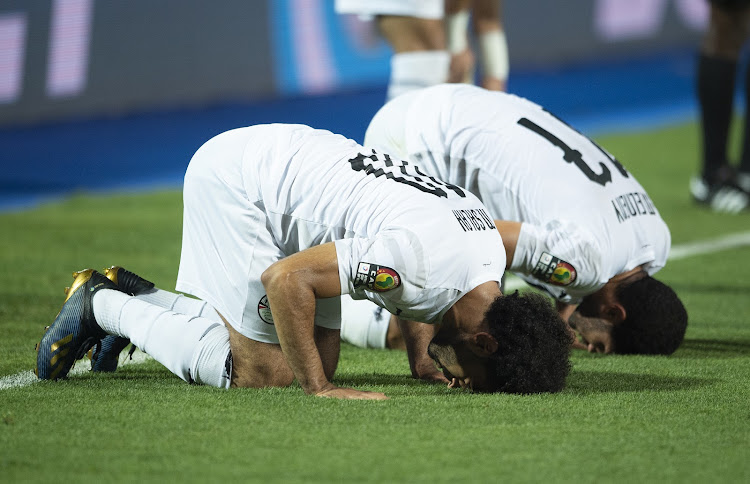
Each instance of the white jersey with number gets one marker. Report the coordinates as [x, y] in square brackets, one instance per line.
[409, 243]
[586, 218]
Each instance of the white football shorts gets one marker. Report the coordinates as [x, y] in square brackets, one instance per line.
[429, 9]
[226, 245]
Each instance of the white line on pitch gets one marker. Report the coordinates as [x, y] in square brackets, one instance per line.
[26, 378]
[512, 283]
[716, 244]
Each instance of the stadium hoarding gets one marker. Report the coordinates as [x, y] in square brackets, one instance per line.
[89, 58]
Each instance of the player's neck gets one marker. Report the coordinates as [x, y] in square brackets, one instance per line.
[633, 274]
[467, 314]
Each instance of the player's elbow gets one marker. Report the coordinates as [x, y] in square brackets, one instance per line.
[277, 275]
[283, 277]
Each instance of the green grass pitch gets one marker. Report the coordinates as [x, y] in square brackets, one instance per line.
[684, 418]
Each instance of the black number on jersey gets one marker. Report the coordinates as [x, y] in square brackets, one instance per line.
[574, 156]
[401, 171]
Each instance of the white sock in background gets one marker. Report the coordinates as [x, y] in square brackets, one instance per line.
[363, 323]
[415, 70]
[193, 348]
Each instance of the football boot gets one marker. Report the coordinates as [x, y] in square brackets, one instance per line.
[74, 330]
[722, 190]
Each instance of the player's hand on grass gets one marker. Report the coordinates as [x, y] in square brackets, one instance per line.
[427, 371]
[577, 344]
[350, 394]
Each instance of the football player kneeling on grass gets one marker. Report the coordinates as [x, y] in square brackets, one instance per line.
[281, 220]
[574, 222]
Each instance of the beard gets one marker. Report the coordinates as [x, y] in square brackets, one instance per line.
[441, 350]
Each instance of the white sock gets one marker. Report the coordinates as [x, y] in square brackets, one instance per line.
[456, 27]
[180, 303]
[493, 48]
[415, 70]
[212, 363]
[193, 348]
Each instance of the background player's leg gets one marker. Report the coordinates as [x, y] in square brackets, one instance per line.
[457, 18]
[493, 47]
[717, 67]
[420, 57]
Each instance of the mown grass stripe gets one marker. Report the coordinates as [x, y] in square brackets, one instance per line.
[681, 251]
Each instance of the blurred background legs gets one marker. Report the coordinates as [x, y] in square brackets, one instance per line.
[719, 183]
[469, 22]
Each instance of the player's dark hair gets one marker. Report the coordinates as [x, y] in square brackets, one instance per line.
[655, 321]
[534, 345]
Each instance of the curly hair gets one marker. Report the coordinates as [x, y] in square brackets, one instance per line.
[534, 345]
[656, 319]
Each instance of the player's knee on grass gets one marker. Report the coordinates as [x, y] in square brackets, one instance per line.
[256, 364]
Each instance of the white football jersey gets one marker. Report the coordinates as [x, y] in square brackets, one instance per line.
[586, 218]
[408, 242]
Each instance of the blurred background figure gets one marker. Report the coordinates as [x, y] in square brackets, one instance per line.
[414, 30]
[488, 34]
[719, 185]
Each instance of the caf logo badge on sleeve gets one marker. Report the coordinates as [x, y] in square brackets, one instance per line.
[553, 270]
[376, 278]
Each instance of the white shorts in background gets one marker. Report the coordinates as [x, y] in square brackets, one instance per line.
[226, 245]
[429, 9]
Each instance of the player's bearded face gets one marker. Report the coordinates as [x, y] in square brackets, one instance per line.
[444, 355]
[458, 363]
[595, 332]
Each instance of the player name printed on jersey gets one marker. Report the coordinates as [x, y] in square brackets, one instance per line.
[474, 219]
[632, 204]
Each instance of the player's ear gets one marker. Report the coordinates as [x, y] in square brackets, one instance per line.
[483, 344]
[616, 313]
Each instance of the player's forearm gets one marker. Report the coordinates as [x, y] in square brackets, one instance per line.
[293, 284]
[565, 310]
[509, 231]
[293, 306]
[417, 337]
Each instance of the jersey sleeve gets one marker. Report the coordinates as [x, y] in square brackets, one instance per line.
[389, 269]
[560, 258]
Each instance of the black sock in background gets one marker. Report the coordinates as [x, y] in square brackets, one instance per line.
[716, 77]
